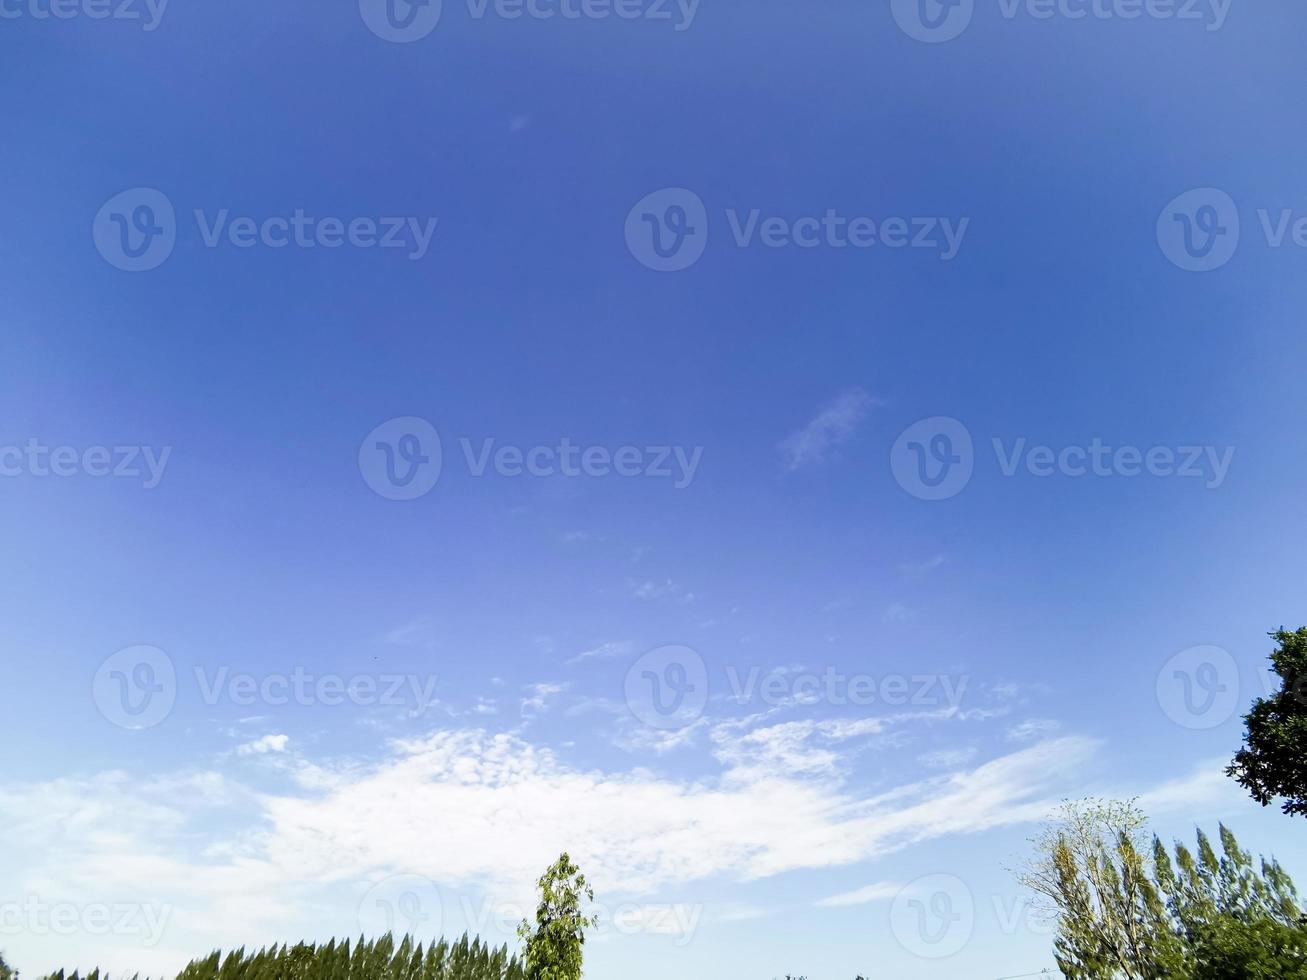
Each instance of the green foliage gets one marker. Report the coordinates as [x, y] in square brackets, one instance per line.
[379, 959]
[553, 948]
[6, 972]
[1112, 920]
[1238, 920]
[1199, 917]
[1272, 762]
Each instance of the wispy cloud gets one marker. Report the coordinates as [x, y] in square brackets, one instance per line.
[416, 632]
[539, 697]
[605, 651]
[948, 758]
[898, 612]
[863, 896]
[915, 571]
[667, 589]
[1031, 729]
[1207, 789]
[832, 426]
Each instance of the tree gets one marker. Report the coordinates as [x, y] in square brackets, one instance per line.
[1273, 762]
[6, 972]
[1123, 915]
[1090, 868]
[366, 959]
[553, 949]
[1238, 923]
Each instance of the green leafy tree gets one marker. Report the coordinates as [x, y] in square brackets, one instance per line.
[1238, 921]
[1123, 912]
[554, 947]
[1273, 762]
[1091, 872]
[6, 972]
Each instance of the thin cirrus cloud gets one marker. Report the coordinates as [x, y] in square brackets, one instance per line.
[832, 426]
[862, 896]
[604, 651]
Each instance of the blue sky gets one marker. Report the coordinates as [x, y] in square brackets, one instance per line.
[786, 404]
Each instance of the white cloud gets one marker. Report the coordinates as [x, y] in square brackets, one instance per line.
[416, 632]
[507, 808]
[264, 745]
[862, 896]
[540, 697]
[475, 811]
[1031, 729]
[920, 569]
[642, 738]
[948, 758]
[666, 589]
[833, 425]
[898, 613]
[1206, 790]
[604, 651]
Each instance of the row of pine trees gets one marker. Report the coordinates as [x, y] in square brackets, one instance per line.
[552, 949]
[378, 959]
